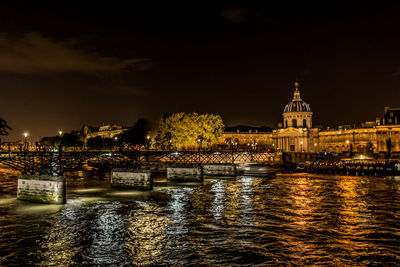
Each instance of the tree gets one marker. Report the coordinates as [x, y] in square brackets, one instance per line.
[4, 127]
[137, 134]
[95, 142]
[50, 141]
[389, 147]
[71, 140]
[108, 142]
[189, 130]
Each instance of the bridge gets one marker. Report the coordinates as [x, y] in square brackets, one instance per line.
[56, 163]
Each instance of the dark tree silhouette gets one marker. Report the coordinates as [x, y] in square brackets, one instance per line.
[4, 127]
[389, 147]
[95, 142]
[137, 134]
[71, 140]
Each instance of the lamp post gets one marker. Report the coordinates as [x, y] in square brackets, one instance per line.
[25, 143]
[301, 146]
[115, 143]
[200, 139]
[60, 133]
[148, 147]
[350, 147]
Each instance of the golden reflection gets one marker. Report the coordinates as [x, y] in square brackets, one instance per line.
[232, 203]
[25, 208]
[58, 249]
[127, 193]
[302, 198]
[89, 190]
[87, 199]
[299, 202]
[146, 231]
[59, 246]
[7, 201]
[353, 210]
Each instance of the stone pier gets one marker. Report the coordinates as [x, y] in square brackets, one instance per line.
[185, 173]
[132, 178]
[219, 169]
[42, 188]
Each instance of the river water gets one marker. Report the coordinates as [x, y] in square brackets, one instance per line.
[297, 219]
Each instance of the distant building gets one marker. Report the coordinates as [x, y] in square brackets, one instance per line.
[245, 137]
[391, 116]
[105, 131]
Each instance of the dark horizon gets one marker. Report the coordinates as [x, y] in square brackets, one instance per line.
[63, 65]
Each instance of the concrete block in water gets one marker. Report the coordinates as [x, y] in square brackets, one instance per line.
[185, 173]
[219, 169]
[42, 189]
[132, 178]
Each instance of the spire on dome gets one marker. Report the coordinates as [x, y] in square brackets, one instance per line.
[296, 92]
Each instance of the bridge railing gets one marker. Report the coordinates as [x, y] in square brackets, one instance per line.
[55, 163]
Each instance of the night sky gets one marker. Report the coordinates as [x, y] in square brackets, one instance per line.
[65, 65]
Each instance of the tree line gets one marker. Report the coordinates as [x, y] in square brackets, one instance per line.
[172, 131]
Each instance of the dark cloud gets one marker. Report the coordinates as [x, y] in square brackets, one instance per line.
[237, 14]
[34, 53]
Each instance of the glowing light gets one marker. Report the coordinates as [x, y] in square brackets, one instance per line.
[60, 132]
[26, 134]
[148, 137]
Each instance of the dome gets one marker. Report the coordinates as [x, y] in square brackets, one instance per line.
[297, 104]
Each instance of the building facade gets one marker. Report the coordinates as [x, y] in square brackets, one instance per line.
[105, 131]
[296, 133]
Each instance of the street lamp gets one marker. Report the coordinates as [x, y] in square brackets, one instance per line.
[350, 147]
[148, 142]
[25, 136]
[60, 132]
[301, 146]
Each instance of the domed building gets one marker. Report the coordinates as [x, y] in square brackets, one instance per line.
[297, 113]
[296, 133]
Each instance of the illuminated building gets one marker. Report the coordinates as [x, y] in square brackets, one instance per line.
[296, 133]
[105, 131]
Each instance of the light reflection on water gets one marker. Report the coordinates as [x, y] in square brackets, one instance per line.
[297, 219]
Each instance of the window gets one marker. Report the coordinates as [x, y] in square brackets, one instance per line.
[286, 124]
[304, 123]
[294, 123]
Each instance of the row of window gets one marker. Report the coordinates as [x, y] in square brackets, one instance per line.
[294, 123]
